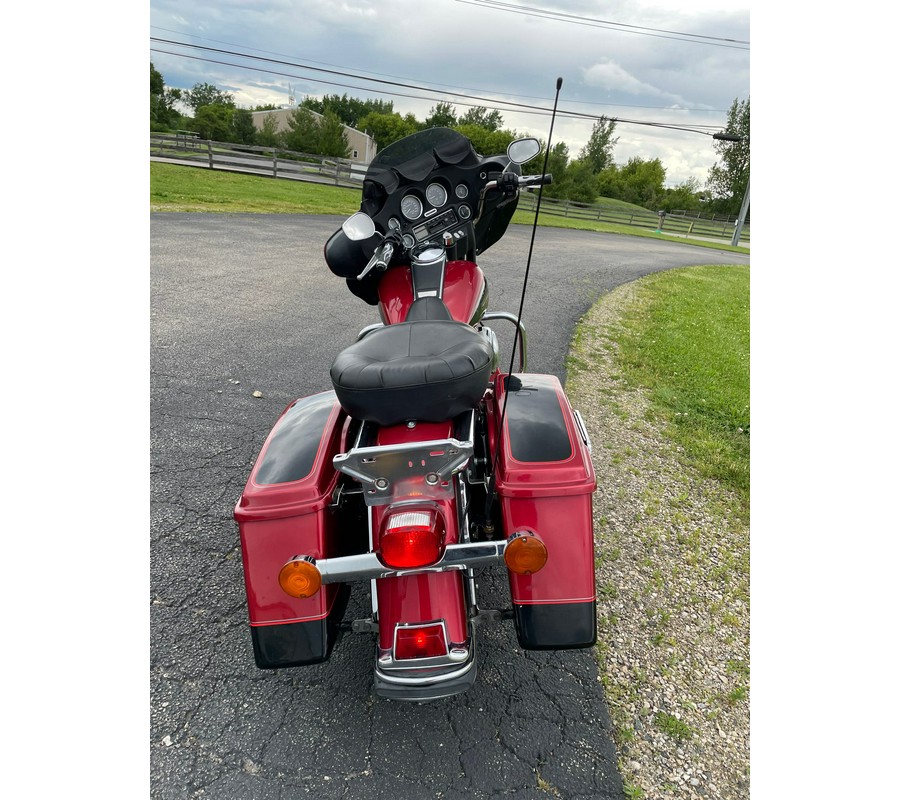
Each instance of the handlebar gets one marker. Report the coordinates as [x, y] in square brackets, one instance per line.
[379, 259]
[382, 255]
[510, 179]
[536, 180]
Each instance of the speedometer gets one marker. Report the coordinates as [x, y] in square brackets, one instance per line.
[411, 207]
[436, 195]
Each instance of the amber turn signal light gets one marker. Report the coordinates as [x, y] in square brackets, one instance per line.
[300, 578]
[525, 553]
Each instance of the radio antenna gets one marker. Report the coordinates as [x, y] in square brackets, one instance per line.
[537, 211]
[492, 488]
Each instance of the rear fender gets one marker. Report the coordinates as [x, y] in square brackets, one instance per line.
[427, 596]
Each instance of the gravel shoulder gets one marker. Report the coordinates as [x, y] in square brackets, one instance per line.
[673, 588]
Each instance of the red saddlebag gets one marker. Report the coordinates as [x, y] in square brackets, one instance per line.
[284, 512]
[545, 481]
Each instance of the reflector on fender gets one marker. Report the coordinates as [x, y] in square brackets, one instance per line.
[300, 577]
[525, 553]
[412, 538]
[423, 642]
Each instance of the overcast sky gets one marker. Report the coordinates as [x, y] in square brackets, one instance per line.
[638, 60]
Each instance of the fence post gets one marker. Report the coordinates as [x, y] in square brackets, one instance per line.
[209, 149]
[274, 163]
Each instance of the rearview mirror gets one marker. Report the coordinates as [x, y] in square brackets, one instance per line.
[359, 227]
[523, 150]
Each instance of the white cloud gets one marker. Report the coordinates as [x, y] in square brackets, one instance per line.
[474, 50]
[614, 78]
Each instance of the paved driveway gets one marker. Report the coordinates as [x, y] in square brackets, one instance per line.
[244, 303]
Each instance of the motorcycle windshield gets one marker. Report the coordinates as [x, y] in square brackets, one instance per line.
[414, 157]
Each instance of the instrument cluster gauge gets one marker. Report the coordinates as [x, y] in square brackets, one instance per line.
[464, 212]
[462, 191]
[436, 195]
[394, 224]
[411, 207]
[409, 241]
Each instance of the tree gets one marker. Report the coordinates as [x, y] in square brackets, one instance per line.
[582, 183]
[557, 167]
[269, 136]
[598, 151]
[332, 140]
[386, 129]
[303, 131]
[242, 124]
[205, 94]
[350, 110]
[480, 116]
[163, 115]
[684, 197]
[214, 122]
[443, 115]
[642, 182]
[157, 85]
[727, 181]
[486, 141]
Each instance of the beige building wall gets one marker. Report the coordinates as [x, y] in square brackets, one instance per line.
[362, 146]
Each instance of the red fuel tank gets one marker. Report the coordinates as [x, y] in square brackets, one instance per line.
[464, 292]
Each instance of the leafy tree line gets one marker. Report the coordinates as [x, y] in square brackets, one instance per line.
[584, 177]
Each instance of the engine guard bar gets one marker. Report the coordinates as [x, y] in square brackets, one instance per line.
[366, 566]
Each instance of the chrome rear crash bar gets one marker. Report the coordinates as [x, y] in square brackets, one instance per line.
[366, 566]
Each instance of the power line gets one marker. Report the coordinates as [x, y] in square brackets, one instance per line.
[443, 85]
[621, 27]
[510, 107]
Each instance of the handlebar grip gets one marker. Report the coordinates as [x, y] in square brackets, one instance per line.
[536, 180]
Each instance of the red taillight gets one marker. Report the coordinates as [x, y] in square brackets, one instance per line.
[412, 539]
[424, 642]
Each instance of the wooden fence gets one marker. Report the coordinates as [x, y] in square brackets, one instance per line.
[675, 222]
[184, 147]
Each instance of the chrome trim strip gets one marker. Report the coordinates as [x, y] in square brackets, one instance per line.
[582, 429]
[426, 679]
[366, 566]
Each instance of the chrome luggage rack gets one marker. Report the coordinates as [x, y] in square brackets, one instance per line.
[390, 471]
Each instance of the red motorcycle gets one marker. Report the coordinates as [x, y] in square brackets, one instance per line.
[426, 462]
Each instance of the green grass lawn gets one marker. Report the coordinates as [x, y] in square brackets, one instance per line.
[179, 188]
[174, 187]
[688, 340]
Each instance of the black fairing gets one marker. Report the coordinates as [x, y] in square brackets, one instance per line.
[446, 157]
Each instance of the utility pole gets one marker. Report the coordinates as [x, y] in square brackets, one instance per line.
[739, 225]
[745, 204]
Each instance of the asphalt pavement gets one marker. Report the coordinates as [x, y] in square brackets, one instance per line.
[243, 304]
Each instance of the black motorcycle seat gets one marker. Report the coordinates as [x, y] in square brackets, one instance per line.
[428, 370]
